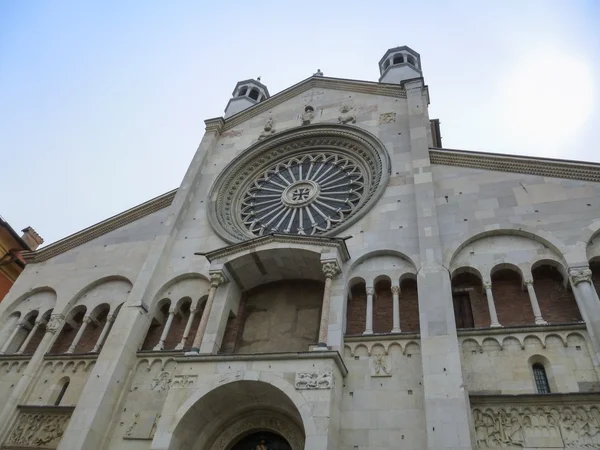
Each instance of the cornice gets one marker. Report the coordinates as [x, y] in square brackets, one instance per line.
[520, 329]
[100, 228]
[284, 356]
[382, 337]
[340, 84]
[338, 243]
[544, 167]
[537, 399]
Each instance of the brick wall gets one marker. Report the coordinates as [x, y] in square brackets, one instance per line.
[67, 334]
[156, 329]
[35, 340]
[356, 310]
[471, 285]
[512, 302]
[595, 267]
[557, 304]
[409, 306]
[383, 314]
[177, 327]
[233, 329]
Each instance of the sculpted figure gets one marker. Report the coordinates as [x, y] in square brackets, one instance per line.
[308, 115]
[268, 130]
[346, 116]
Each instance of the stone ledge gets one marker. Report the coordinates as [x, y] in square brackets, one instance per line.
[567, 398]
[70, 356]
[294, 356]
[46, 408]
[381, 336]
[14, 357]
[521, 329]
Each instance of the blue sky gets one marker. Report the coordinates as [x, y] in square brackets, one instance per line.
[102, 102]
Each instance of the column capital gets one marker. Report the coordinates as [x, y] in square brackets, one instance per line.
[331, 269]
[528, 281]
[40, 321]
[487, 285]
[370, 291]
[580, 275]
[217, 278]
[395, 289]
[55, 322]
[87, 319]
[111, 317]
[172, 310]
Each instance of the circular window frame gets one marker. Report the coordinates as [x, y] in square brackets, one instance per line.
[230, 186]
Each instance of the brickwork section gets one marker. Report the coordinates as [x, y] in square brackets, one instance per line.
[471, 285]
[557, 304]
[35, 340]
[64, 339]
[156, 329]
[177, 327]
[90, 335]
[595, 268]
[409, 306]
[356, 311]
[233, 329]
[512, 302]
[383, 308]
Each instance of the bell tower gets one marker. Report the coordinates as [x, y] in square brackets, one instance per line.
[247, 93]
[399, 64]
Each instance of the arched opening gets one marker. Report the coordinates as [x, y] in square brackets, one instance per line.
[157, 325]
[556, 300]
[386, 64]
[595, 268]
[263, 440]
[180, 320]
[383, 306]
[22, 332]
[38, 334]
[242, 91]
[410, 60]
[466, 297]
[98, 319]
[356, 311]
[238, 415]
[58, 391]
[398, 59]
[409, 305]
[254, 93]
[512, 301]
[277, 317]
[73, 322]
[541, 379]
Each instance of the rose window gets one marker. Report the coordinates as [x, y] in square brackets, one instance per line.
[315, 180]
[303, 195]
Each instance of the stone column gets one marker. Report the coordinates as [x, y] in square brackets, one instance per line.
[537, 313]
[330, 269]
[30, 373]
[84, 324]
[20, 324]
[188, 327]
[109, 320]
[588, 303]
[396, 309]
[163, 337]
[491, 305]
[216, 280]
[369, 322]
[27, 340]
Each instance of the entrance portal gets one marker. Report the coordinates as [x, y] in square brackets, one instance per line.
[262, 441]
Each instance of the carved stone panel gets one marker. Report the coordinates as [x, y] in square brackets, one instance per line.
[314, 380]
[142, 426]
[183, 381]
[387, 118]
[381, 365]
[39, 427]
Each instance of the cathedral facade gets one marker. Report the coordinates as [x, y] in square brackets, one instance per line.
[326, 276]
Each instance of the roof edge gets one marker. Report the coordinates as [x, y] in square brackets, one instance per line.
[101, 228]
[528, 165]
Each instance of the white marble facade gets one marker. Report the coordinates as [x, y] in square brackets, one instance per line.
[434, 215]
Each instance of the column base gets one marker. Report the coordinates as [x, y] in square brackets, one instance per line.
[540, 322]
[179, 346]
[396, 330]
[321, 347]
[369, 332]
[158, 348]
[193, 352]
[496, 325]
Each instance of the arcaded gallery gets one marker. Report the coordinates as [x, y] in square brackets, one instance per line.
[326, 277]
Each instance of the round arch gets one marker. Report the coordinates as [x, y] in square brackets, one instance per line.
[94, 284]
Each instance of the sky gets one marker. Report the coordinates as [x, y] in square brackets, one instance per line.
[102, 103]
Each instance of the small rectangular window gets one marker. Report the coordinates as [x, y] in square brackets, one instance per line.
[541, 380]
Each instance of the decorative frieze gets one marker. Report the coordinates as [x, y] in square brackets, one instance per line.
[314, 380]
[184, 381]
[387, 118]
[162, 382]
[380, 366]
[39, 427]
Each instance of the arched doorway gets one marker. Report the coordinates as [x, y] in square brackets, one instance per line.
[263, 440]
[238, 415]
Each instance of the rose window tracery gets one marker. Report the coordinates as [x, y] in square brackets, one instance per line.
[303, 195]
[315, 180]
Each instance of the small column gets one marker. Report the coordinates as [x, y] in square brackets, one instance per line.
[163, 337]
[27, 340]
[216, 280]
[188, 327]
[537, 313]
[109, 320]
[330, 269]
[20, 324]
[494, 323]
[396, 309]
[86, 320]
[369, 322]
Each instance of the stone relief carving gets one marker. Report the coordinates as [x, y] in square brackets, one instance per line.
[346, 116]
[537, 427]
[55, 322]
[380, 366]
[314, 380]
[281, 425]
[161, 382]
[580, 275]
[38, 430]
[183, 381]
[387, 118]
[269, 129]
[143, 425]
[308, 115]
